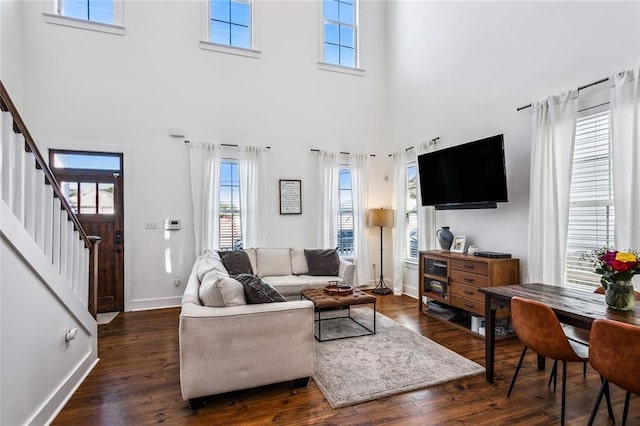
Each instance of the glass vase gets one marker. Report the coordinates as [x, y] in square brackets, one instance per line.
[619, 295]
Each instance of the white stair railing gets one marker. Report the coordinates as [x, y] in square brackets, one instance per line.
[31, 201]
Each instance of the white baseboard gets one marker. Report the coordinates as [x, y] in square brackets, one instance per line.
[157, 303]
[51, 408]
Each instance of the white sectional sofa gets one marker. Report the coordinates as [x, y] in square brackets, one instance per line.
[240, 346]
[287, 270]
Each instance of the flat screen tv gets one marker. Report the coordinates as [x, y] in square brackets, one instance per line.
[468, 176]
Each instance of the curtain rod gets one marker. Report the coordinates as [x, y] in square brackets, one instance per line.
[341, 152]
[232, 145]
[431, 142]
[602, 80]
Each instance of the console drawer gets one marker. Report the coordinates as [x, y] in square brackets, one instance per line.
[466, 291]
[467, 304]
[468, 278]
[470, 266]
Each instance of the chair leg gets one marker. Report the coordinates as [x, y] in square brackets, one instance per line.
[596, 404]
[608, 399]
[554, 375]
[564, 391]
[584, 369]
[626, 408]
[513, 381]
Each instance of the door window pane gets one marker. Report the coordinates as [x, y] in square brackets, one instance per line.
[88, 195]
[70, 192]
[105, 198]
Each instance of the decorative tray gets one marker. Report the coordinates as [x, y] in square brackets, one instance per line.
[338, 289]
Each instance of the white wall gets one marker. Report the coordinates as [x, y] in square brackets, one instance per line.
[11, 48]
[103, 91]
[459, 70]
[39, 369]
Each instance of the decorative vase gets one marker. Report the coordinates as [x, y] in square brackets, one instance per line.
[445, 238]
[619, 295]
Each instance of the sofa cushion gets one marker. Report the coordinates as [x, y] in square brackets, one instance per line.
[236, 262]
[209, 292]
[251, 252]
[272, 262]
[256, 290]
[323, 262]
[232, 291]
[299, 262]
[287, 285]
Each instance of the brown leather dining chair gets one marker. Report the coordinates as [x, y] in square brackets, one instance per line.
[538, 329]
[613, 352]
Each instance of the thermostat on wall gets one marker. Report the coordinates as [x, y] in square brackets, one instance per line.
[171, 224]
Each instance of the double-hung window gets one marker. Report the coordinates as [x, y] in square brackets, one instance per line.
[90, 10]
[95, 15]
[345, 214]
[340, 32]
[411, 211]
[230, 23]
[230, 209]
[591, 210]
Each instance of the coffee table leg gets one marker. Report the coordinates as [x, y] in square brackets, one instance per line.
[374, 317]
[319, 326]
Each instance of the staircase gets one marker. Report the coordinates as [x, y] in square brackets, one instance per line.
[48, 276]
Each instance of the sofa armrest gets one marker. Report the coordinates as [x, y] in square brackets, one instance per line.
[240, 347]
[346, 271]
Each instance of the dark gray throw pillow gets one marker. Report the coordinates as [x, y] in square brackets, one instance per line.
[236, 262]
[323, 262]
[256, 290]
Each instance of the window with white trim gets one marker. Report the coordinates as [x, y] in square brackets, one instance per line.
[340, 38]
[411, 210]
[591, 210]
[345, 214]
[229, 204]
[229, 23]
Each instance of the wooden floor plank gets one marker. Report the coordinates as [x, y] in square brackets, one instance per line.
[138, 382]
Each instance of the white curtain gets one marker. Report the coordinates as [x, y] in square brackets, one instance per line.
[426, 215]
[359, 166]
[328, 172]
[252, 171]
[552, 143]
[400, 207]
[204, 160]
[625, 113]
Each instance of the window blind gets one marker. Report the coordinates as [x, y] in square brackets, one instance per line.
[229, 220]
[591, 211]
[345, 215]
[411, 222]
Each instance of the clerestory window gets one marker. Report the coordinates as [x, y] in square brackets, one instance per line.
[340, 32]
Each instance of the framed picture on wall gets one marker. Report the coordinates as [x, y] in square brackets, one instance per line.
[458, 245]
[290, 196]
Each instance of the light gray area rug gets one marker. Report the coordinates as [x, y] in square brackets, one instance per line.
[394, 360]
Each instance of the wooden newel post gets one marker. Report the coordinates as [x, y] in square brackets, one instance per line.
[93, 274]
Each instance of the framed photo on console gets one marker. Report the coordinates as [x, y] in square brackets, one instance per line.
[290, 196]
[459, 243]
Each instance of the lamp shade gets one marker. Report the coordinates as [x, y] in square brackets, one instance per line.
[381, 217]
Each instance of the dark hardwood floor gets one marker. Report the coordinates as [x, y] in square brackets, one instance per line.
[138, 382]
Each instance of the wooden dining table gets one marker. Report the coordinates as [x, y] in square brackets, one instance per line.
[575, 307]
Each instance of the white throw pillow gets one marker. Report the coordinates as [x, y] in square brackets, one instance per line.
[232, 291]
[209, 263]
[273, 261]
[299, 262]
[210, 294]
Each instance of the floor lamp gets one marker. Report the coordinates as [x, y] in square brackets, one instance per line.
[384, 219]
